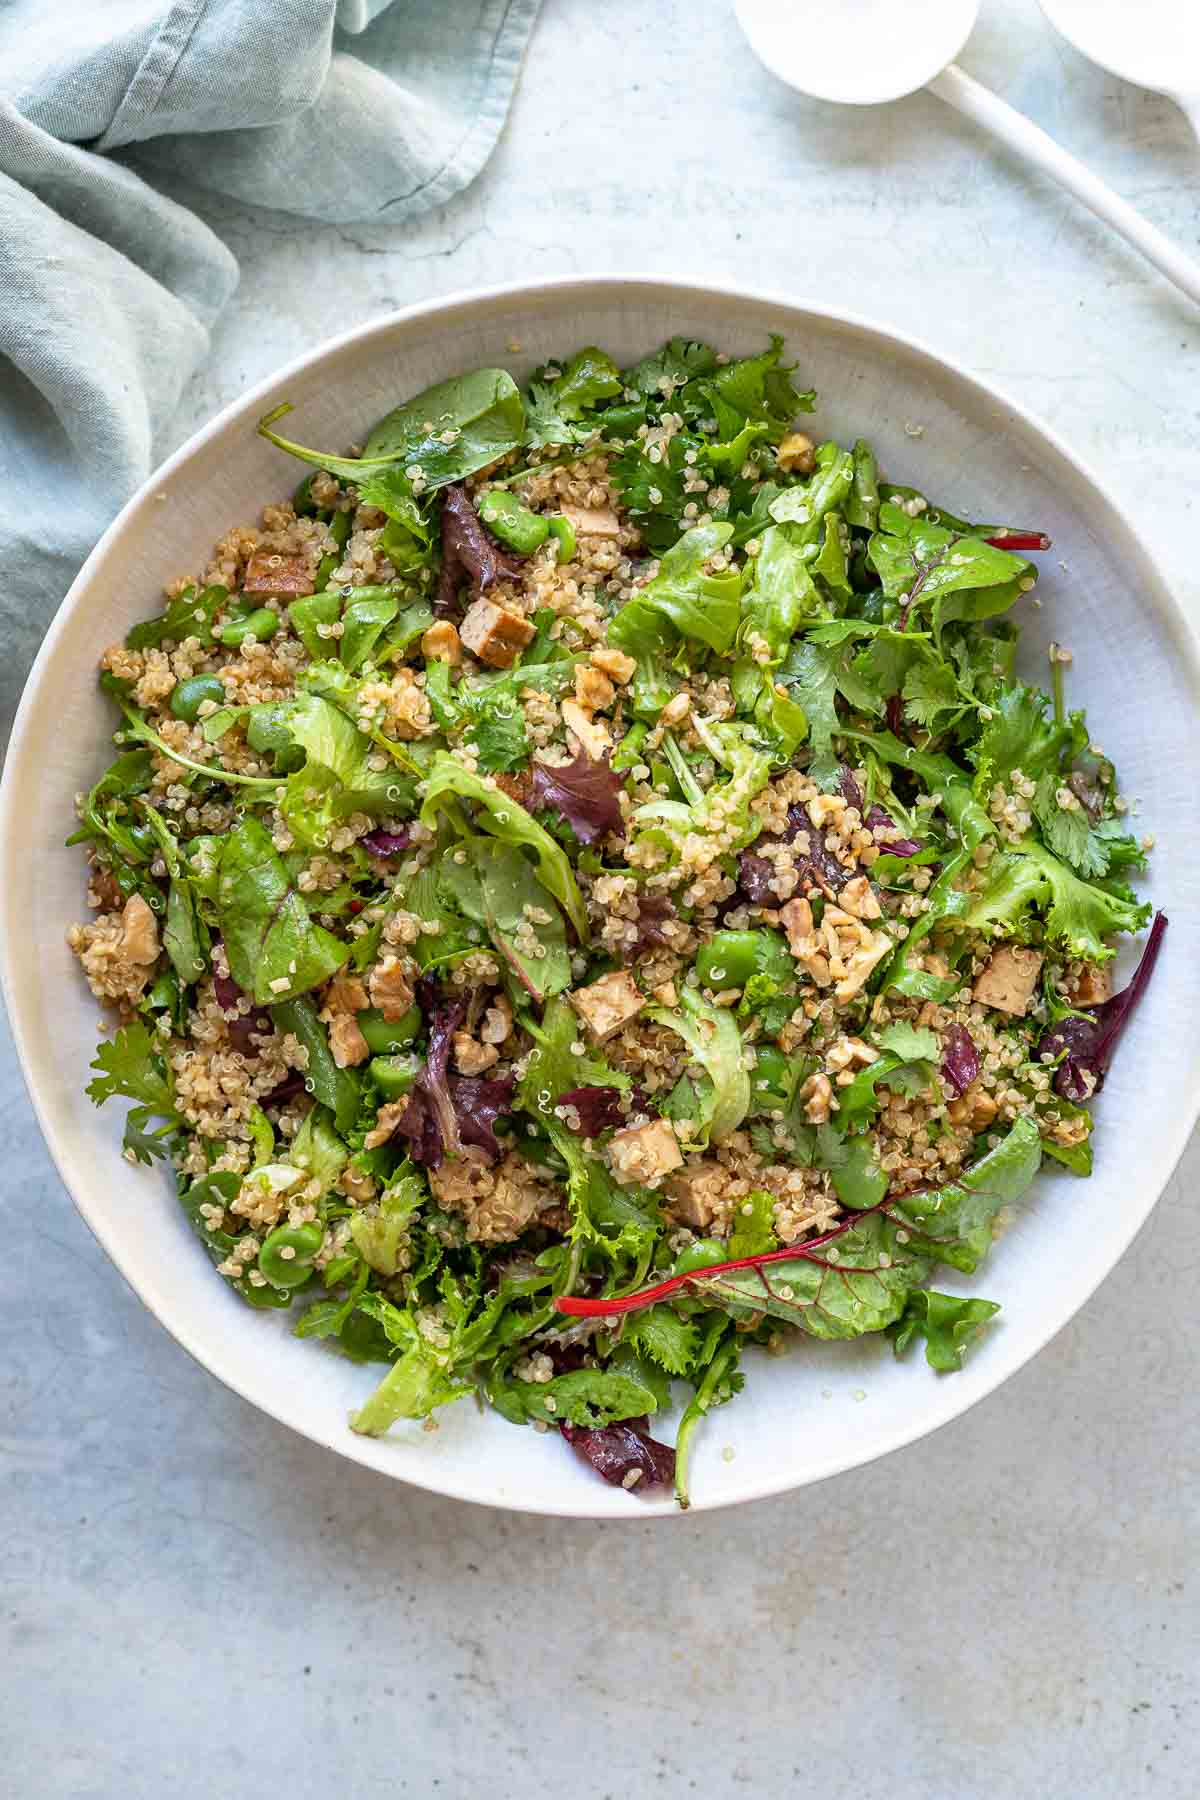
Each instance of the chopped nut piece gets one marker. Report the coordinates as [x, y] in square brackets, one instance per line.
[494, 633]
[975, 1106]
[797, 920]
[817, 1096]
[665, 994]
[605, 1005]
[497, 1020]
[497, 1203]
[139, 931]
[1008, 981]
[1092, 986]
[346, 1041]
[859, 898]
[676, 710]
[592, 688]
[594, 736]
[823, 809]
[472, 1057]
[286, 577]
[390, 987]
[592, 521]
[615, 663]
[389, 1116]
[346, 994]
[795, 454]
[850, 1052]
[645, 1153]
[441, 643]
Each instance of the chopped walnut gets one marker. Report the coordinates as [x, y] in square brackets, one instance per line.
[346, 1042]
[817, 1096]
[470, 1056]
[593, 735]
[593, 689]
[497, 1020]
[390, 987]
[441, 643]
[139, 931]
[615, 663]
[795, 454]
[859, 898]
[974, 1107]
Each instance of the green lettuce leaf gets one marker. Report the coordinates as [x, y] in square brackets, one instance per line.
[711, 1034]
[681, 600]
[268, 935]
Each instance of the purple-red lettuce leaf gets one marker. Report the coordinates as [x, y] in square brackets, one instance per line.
[238, 1024]
[477, 1105]
[1090, 1042]
[469, 551]
[584, 792]
[625, 1454]
[386, 843]
[598, 1108]
[654, 910]
[429, 1120]
[879, 820]
[960, 1058]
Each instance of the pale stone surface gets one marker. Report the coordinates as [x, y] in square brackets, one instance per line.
[197, 1602]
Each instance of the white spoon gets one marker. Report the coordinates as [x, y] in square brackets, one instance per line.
[1155, 44]
[861, 52]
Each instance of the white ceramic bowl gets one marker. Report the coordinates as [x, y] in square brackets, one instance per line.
[820, 1409]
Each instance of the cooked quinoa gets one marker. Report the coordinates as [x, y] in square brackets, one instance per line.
[583, 891]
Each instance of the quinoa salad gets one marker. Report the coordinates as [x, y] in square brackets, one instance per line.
[582, 891]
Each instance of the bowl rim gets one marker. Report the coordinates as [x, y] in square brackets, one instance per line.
[582, 287]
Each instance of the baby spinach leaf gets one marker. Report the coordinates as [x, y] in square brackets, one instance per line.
[366, 614]
[480, 414]
[954, 1223]
[948, 1324]
[493, 885]
[500, 816]
[681, 600]
[268, 935]
[338, 1089]
[189, 615]
[917, 561]
[556, 412]
[307, 616]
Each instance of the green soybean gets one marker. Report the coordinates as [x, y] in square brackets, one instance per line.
[560, 527]
[771, 1079]
[730, 958]
[512, 521]
[700, 1255]
[394, 1075]
[629, 751]
[385, 1035]
[188, 696]
[287, 1254]
[258, 625]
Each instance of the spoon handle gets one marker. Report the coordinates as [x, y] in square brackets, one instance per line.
[1022, 135]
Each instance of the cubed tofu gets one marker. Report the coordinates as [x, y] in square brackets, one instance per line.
[593, 521]
[286, 577]
[693, 1195]
[645, 1153]
[606, 1005]
[494, 633]
[1008, 981]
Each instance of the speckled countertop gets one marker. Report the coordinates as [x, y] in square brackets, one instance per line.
[196, 1603]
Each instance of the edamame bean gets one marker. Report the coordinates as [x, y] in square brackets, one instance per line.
[287, 1253]
[188, 696]
[394, 1075]
[700, 1255]
[512, 521]
[770, 1079]
[730, 958]
[560, 527]
[258, 625]
[386, 1035]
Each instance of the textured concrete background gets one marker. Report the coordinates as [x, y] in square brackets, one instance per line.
[196, 1603]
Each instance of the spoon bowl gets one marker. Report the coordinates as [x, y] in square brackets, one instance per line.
[1155, 44]
[857, 52]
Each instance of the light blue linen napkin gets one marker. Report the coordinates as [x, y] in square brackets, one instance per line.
[334, 109]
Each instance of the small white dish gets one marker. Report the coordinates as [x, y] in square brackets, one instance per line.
[821, 1408]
